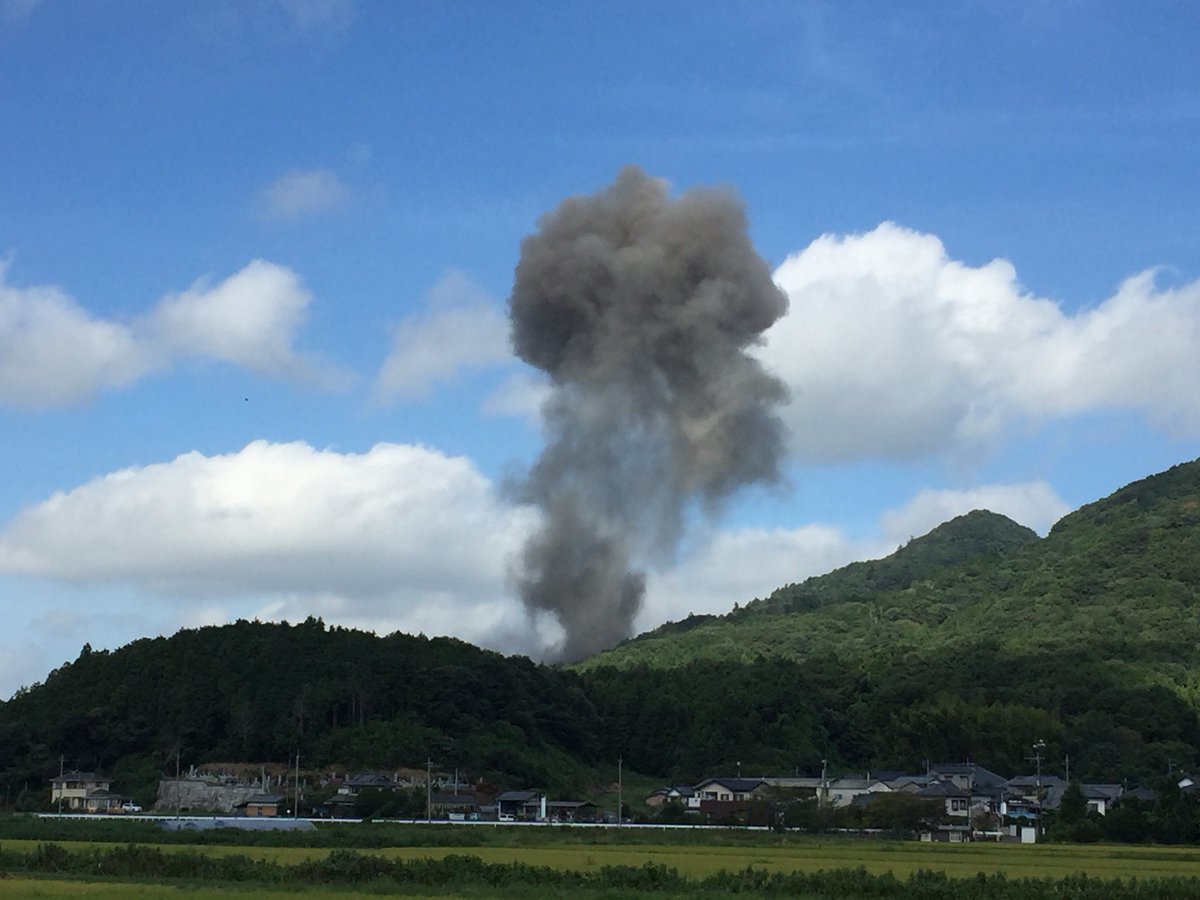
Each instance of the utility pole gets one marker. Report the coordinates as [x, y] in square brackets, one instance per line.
[620, 790]
[61, 784]
[1038, 747]
[428, 790]
[824, 796]
[178, 787]
[1068, 768]
[296, 812]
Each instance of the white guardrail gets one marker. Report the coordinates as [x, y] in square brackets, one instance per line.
[171, 817]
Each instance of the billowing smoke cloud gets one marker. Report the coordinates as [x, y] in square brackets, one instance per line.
[641, 310]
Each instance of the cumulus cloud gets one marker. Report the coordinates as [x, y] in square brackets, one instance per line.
[399, 536]
[250, 319]
[1033, 503]
[298, 194]
[54, 353]
[521, 395]
[739, 565]
[274, 518]
[461, 330]
[892, 349]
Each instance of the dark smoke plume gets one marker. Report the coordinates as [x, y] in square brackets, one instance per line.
[640, 309]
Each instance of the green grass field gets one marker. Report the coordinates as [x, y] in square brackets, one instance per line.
[697, 861]
[109, 890]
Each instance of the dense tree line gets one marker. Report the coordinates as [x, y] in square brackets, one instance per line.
[253, 692]
[986, 705]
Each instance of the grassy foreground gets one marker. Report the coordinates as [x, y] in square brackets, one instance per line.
[769, 854]
[812, 868]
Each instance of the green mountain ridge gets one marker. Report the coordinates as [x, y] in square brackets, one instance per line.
[1088, 639]
[962, 539]
[973, 641]
[969, 576]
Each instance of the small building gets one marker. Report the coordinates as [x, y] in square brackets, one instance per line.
[1037, 792]
[724, 790]
[1102, 797]
[670, 794]
[571, 811]
[259, 806]
[449, 803]
[102, 801]
[955, 799]
[367, 781]
[969, 776]
[842, 791]
[517, 804]
[84, 792]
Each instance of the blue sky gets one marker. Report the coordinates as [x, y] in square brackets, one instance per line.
[253, 358]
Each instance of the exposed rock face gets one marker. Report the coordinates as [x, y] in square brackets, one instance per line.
[207, 793]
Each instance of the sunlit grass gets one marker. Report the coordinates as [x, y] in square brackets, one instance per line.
[697, 861]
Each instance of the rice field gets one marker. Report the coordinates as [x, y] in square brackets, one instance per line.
[698, 861]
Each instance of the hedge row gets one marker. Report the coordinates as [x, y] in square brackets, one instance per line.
[347, 867]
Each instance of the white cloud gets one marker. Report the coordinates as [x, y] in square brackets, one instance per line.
[250, 319]
[521, 395]
[54, 353]
[892, 349]
[398, 537]
[460, 330]
[740, 565]
[1033, 503]
[297, 194]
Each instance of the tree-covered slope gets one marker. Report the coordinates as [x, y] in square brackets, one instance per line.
[1088, 639]
[1126, 568]
[753, 631]
[963, 539]
[262, 692]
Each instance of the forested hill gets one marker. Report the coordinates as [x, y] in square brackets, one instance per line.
[1123, 568]
[963, 539]
[261, 692]
[1088, 639]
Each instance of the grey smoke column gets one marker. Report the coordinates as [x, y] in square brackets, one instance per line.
[640, 309]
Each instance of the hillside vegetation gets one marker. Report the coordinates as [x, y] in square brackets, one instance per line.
[974, 641]
[253, 691]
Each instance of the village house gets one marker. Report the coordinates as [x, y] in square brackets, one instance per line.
[85, 792]
[1102, 797]
[723, 790]
[669, 794]
[513, 805]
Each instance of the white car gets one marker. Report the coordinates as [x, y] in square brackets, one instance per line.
[131, 808]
